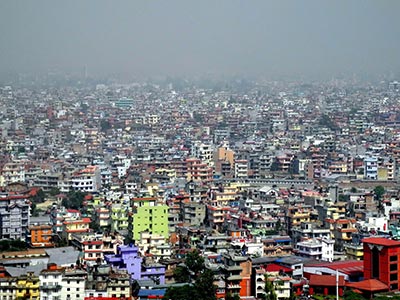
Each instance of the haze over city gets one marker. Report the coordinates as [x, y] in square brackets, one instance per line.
[211, 150]
[310, 39]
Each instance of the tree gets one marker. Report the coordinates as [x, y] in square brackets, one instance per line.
[379, 191]
[204, 286]
[269, 290]
[182, 274]
[193, 270]
[105, 125]
[54, 191]
[180, 293]
[194, 262]
[229, 296]
[39, 197]
[351, 295]
[74, 200]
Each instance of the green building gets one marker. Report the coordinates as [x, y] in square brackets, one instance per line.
[148, 215]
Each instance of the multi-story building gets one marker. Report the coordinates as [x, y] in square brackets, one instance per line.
[198, 171]
[75, 226]
[41, 236]
[276, 246]
[7, 288]
[203, 152]
[87, 180]
[102, 217]
[233, 269]
[193, 213]
[127, 258]
[14, 217]
[73, 284]
[27, 286]
[48, 180]
[148, 215]
[119, 285]
[381, 261]
[280, 283]
[371, 168]
[342, 231]
[296, 215]
[51, 283]
[241, 168]
[309, 230]
[320, 249]
[119, 217]
[13, 172]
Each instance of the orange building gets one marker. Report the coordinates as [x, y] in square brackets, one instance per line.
[245, 284]
[41, 236]
[75, 226]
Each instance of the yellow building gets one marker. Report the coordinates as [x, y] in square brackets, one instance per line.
[225, 154]
[75, 226]
[28, 287]
[353, 251]
[119, 217]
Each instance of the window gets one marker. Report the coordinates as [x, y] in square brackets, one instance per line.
[393, 277]
[393, 267]
[393, 258]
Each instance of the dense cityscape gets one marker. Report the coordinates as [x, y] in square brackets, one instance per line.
[180, 189]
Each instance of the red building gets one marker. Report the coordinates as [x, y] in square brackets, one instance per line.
[326, 284]
[381, 261]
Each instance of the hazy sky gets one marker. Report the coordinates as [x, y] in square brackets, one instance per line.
[199, 37]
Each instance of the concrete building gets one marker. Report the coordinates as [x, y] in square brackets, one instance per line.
[14, 217]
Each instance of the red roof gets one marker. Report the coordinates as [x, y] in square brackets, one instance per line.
[277, 268]
[381, 241]
[325, 280]
[371, 285]
[347, 267]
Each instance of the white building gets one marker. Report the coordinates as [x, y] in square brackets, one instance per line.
[281, 284]
[73, 285]
[241, 168]
[371, 168]
[204, 152]
[87, 180]
[50, 283]
[320, 249]
[13, 172]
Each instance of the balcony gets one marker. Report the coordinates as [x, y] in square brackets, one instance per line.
[50, 287]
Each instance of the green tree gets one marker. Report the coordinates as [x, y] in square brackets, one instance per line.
[351, 295]
[74, 200]
[204, 286]
[181, 274]
[229, 296]
[180, 293]
[40, 197]
[200, 280]
[269, 290]
[379, 191]
[105, 125]
[194, 262]
[54, 191]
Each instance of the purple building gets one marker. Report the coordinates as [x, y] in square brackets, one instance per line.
[156, 272]
[128, 258]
